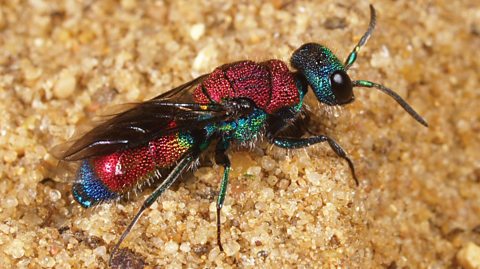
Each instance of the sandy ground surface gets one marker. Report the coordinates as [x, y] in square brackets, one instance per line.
[418, 203]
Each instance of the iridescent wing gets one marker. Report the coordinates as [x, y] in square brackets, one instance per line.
[181, 93]
[144, 122]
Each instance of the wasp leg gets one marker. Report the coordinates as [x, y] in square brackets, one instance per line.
[171, 178]
[222, 158]
[295, 143]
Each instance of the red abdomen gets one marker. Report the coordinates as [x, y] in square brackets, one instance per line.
[122, 170]
[270, 85]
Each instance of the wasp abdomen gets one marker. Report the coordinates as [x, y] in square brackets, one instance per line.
[270, 85]
[107, 177]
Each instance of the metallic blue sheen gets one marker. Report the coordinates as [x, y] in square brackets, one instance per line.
[245, 129]
[317, 63]
[89, 190]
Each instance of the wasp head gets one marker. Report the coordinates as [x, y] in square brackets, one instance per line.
[325, 73]
[328, 77]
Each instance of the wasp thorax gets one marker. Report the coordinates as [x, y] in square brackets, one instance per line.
[324, 73]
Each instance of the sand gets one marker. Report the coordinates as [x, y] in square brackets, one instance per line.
[418, 203]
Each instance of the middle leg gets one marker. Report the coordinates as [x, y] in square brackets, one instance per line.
[221, 158]
[294, 143]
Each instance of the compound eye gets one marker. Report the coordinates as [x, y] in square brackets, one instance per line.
[341, 87]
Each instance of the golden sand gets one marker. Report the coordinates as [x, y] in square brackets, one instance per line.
[418, 203]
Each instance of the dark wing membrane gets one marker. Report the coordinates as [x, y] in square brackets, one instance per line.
[181, 93]
[141, 124]
[144, 122]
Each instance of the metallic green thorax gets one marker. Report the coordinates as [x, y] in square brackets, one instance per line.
[243, 129]
[248, 128]
[185, 140]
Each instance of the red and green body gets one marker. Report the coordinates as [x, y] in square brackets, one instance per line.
[270, 85]
[235, 103]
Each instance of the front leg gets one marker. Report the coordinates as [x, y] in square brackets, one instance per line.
[295, 143]
[221, 158]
